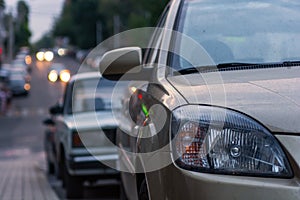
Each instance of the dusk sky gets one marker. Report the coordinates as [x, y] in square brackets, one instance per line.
[42, 14]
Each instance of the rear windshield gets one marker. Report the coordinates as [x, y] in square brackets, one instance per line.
[92, 95]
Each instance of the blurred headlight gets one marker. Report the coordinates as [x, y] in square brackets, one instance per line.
[216, 140]
[40, 55]
[61, 51]
[65, 75]
[52, 76]
[48, 56]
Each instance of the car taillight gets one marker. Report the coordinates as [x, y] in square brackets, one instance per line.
[76, 141]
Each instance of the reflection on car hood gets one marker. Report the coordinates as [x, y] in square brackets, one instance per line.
[91, 120]
[271, 96]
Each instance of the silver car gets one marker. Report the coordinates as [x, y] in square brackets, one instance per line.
[219, 116]
[84, 133]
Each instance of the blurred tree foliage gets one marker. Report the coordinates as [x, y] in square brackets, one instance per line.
[22, 31]
[80, 18]
[46, 41]
[2, 4]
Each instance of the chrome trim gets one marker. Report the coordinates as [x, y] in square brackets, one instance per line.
[96, 158]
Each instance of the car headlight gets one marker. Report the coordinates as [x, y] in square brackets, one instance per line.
[40, 55]
[53, 76]
[48, 56]
[65, 75]
[217, 140]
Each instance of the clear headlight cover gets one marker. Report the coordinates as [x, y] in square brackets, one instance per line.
[217, 140]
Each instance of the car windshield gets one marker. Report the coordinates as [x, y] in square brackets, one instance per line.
[92, 94]
[237, 31]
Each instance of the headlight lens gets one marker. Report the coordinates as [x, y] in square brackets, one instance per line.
[65, 76]
[48, 56]
[217, 140]
[53, 76]
[40, 55]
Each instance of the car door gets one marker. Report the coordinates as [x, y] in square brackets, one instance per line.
[139, 103]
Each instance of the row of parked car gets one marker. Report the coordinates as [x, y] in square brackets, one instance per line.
[217, 115]
[15, 76]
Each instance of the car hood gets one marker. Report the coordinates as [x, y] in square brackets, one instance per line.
[271, 96]
[91, 120]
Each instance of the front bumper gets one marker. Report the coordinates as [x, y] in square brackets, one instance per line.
[89, 165]
[19, 92]
[181, 184]
[176, 183]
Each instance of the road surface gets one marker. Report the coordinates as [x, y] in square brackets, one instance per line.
[21, 138]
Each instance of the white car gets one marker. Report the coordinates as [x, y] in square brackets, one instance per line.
[85, 132]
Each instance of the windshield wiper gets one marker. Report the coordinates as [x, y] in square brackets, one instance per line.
[236, 65]
[202, 69]
[190, 70]
[291, 63]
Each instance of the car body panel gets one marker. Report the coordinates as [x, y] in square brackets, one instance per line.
[192, 185]
[267, 95]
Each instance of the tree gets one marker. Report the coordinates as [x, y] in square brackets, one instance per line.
[85, 19]
[22, 31]
[63, 25]
[145, 12]
[79, 18]
[2, 4]
[78, 22]
[45, 42]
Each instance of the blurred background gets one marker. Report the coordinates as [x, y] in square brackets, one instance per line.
[38, 36]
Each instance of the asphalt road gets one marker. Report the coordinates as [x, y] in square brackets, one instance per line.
[21, 130]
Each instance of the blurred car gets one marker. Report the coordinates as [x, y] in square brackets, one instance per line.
[58, 72]
[25, 56]
[19, 63]
[44, 55]
[18, 86]
[6, 95]
[4, 75]
[85, 127]
[222, 121]
[20, 72]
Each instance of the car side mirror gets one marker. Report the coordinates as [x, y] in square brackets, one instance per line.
[56, 110]
[125, 63]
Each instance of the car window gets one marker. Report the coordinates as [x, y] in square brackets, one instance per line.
[241, 31]
[67, 99]
[92, 95]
